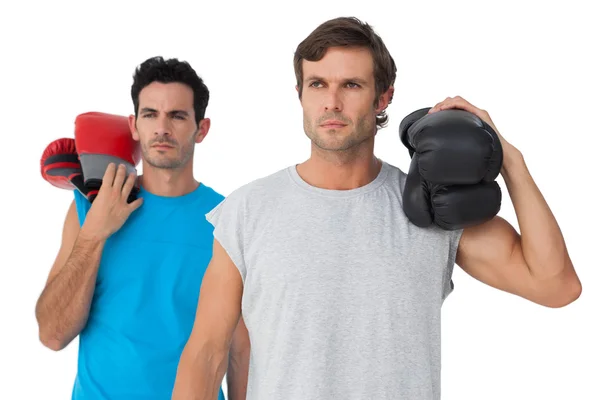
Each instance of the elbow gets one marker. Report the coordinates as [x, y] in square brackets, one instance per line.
[52, 336]
[53, 343]
[239, 349]
[47, 334]
[570, 296]
[568, 293]
[51, 339]
[239, 355]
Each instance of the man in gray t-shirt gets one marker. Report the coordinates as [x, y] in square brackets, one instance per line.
[340, 294]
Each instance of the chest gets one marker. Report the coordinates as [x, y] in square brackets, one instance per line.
[155, 260]
[348, 251]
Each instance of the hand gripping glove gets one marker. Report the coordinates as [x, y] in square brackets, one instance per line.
[455, 159]
[60, 165]
[102, 139]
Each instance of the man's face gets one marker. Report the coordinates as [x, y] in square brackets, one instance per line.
[338, 99]
[166, 126]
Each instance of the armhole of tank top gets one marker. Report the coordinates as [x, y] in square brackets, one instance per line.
[453, 250]
[82, 206]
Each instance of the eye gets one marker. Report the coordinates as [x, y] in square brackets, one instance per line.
[353, 85]
[315, 84]
[148, 115]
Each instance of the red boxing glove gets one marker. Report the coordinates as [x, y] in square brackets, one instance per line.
[102, 139]
[60, 165]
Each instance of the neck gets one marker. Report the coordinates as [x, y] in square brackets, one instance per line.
[341, 170]
[168, 182]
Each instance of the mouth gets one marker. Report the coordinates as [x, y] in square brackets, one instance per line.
[162, 146]
[333, 124]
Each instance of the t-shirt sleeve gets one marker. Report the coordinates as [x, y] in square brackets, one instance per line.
[227, 218]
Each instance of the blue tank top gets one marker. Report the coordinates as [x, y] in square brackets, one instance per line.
[145, 299]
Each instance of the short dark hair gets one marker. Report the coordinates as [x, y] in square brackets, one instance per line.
[350, 32]
[157, 69]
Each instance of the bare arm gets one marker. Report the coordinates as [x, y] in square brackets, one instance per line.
[64, 304]
[239, 360]
[534, 264]
[203, 362]
[63, 307]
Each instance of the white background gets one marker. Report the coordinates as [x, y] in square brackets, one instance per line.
[533, 66]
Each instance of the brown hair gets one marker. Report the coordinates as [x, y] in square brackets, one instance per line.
[351, 32]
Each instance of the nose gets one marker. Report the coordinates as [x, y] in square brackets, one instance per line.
[163, 126]
[333, 101]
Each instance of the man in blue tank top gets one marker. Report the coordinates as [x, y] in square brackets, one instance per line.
[128, 275]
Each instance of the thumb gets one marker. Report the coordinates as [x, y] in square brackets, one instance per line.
[134, 205]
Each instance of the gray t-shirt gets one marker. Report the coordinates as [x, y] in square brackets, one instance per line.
[342, 294]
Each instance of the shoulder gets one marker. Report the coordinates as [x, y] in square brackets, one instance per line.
[210, 196]
[261, 189]
[395, 178]
[395, 182]
[255, 192]
[394, 171]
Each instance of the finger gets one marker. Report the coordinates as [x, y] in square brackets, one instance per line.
[438, 106]
[464, 105]
[448, 101]
[128, 186]
[119, 178]
[109, 176]
[454, 103]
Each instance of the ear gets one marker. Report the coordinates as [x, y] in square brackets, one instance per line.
[299, 92]
[203, 128]
[385, 99]
[133, 129]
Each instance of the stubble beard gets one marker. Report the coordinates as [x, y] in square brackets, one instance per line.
[181, 158]
[328, 142]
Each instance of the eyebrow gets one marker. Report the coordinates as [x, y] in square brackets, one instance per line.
[148, 109]
[318, 78]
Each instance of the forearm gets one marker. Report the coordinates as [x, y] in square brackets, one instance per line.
[542, 242]
[237, 375]
[199, 374]
[63, 306]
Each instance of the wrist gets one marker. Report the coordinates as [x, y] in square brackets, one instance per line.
[91, 235]
[512, 161]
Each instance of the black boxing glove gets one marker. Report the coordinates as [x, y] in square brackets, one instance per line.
[453, 146]
[456, 158]
[450, 207]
